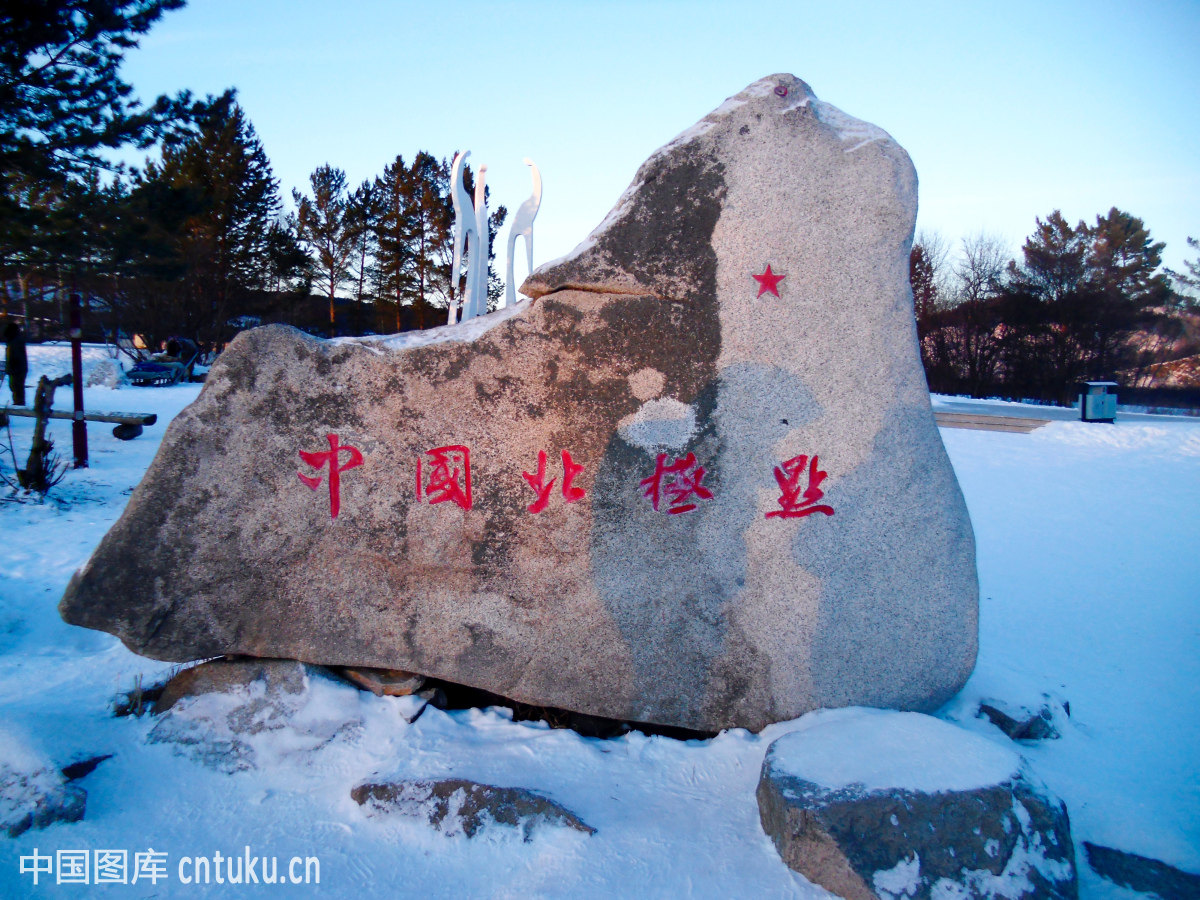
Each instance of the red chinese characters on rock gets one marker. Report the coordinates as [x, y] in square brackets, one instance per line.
[542, 488]
[447, 476]
[684, 484]
[336, 468]
[799, 481]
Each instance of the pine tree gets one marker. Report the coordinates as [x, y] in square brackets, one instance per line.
[62, 105]
[415, 243]
[1048, 305]
[364, 216]
[393, 232]
[926, 264]
[224, 245]
[326, 225]
[495, 284]
[62, 100]
[1055, 257]
[1123, 259]
[1079, 297]
[1125, 286]
[144, 269]
[431, 217]
[922, 278]
[287, 262]
[1188, 284]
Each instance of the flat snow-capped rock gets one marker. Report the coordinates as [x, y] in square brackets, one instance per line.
[872, 803]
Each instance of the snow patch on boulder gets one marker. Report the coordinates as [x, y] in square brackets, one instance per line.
[877, 749]
[901, 880]
[663, 424]
[464, 332]
[851, 130]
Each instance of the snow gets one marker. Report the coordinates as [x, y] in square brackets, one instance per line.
[1087, 537]
[17, 756]
[463, 332]
[1013, 881]
[26, 776]
[1089, 575]
[901, 880]
[875, 749]
[848, 128]
[245, 729]
[620, 208]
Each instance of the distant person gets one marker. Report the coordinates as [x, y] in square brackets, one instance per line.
[15, 361]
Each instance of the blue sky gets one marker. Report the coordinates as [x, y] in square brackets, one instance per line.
[1009, 111]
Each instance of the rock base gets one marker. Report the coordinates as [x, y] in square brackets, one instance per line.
[454, 806]
[1139, 873]
[245, 714]
[867, 840]
[33, 792]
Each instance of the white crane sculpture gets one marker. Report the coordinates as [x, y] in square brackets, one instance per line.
[470, 233]
[476, 299]
[471, 237]
[522, 225]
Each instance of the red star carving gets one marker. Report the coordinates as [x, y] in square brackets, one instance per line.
[768, 281]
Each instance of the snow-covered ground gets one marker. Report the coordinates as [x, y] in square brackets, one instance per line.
[1089, 561]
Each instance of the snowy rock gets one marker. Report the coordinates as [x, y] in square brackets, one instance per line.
[84, 767]
[454, 806]
[239, 715]
[869, 803]
[278, 677]
[692, 501]
[1024, 724]
[1149, 876]
[33, 792]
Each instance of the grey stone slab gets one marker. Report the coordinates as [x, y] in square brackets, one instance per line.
[35, 795]
[864, 841]
[1023, 723]
[277, 677]
[455, 806]
[236, 715]
[1140, 873]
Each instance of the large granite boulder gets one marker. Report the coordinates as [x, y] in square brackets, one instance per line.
[696, 481]
[880, 804]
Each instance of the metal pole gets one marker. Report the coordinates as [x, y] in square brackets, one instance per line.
[78, 426]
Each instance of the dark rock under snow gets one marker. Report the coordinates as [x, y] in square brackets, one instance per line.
[454, 806]
[33, 792]
[876, 804]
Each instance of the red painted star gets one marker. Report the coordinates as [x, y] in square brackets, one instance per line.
[768, 281]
